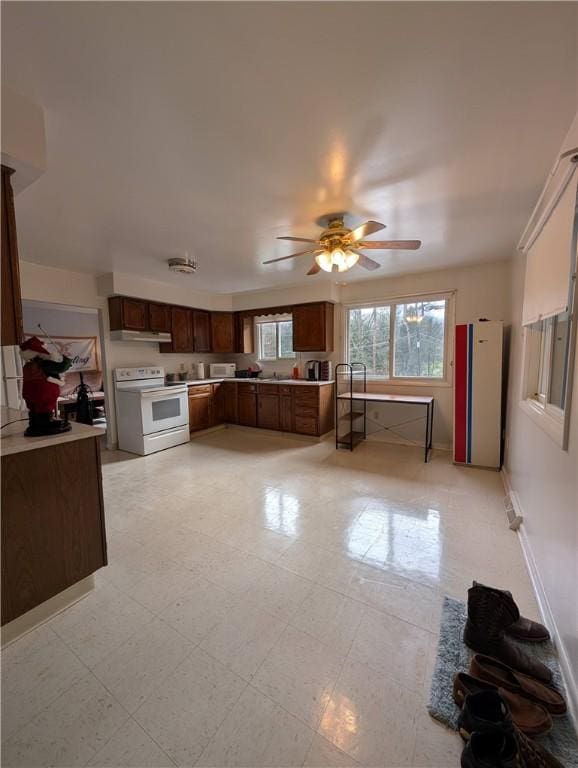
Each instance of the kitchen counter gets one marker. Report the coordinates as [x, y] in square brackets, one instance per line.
[13, 440]
[296, 382]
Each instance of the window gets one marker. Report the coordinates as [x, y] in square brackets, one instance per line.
[546, 358]
[275, 339]
[400, 339]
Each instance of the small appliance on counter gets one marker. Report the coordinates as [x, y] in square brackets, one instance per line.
[326, 370]
[200, 370]
[313, 370]
[222, 370]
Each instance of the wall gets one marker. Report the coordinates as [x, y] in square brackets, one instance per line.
[480, 291]
[544, 481]
[59, 286]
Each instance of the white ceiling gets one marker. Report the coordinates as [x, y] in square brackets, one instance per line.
[214, 127]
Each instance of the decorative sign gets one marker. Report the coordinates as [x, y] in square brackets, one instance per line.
[83, 350]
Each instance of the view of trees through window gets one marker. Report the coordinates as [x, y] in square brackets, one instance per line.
[418, 329]
[275, 340]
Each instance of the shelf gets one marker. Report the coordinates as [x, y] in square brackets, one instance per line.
[347, 439]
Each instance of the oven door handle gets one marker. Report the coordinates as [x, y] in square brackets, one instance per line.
[158, 396]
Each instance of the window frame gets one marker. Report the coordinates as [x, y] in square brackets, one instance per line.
[272, 321]
[408, 381]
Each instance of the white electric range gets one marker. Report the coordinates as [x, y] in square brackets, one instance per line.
[150, 416]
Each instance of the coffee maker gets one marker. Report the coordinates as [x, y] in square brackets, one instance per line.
[313, 370]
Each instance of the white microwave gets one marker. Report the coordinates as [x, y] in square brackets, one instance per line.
[222, 370]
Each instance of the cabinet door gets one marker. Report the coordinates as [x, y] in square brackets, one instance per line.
[159, 318]
[181, 330]
[11, 303]
[134, 314]
[247, 408]
[218, 404]
[268, 412]
[201, 331]
[244, 333]
[229, 389]
[223, 331]
[199, 411]
[313, 327]
[286, 413]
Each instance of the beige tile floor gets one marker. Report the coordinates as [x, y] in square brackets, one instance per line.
[268, 602]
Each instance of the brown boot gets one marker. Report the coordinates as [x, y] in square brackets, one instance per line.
[490, 611]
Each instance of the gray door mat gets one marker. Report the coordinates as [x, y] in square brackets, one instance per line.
[454, 656]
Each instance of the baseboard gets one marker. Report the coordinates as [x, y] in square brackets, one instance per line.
[543, 604]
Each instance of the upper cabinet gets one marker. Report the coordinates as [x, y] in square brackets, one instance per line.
[223, 331]
[313, 327]
[159, 318]
[244, 333]
[181, 330]
[127, 314]
[11, 298]
[201, 330]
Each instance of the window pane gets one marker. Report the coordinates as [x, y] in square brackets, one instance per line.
[267, 341]
[369, 339]
[419, 339]
[559, 354]
[285, 330]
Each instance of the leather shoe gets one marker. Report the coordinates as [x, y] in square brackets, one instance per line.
[528, 631]
[490, 612]
[530, 717]
[493, 671]
[490, 750]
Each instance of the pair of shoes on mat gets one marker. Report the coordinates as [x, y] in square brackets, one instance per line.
[492, 738]
[494, 621]
[530, 702]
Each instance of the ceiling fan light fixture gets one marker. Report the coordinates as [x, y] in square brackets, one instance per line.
[325, 261]
[351, 259]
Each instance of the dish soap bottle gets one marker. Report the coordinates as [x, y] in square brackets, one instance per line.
[295, 371]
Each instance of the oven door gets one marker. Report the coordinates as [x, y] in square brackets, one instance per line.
[163, 410]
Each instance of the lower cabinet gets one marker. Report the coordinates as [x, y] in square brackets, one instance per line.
[247, 405]
[200, 407]
[268, 410]
[230, 401]
[217, 404]
[286, 413]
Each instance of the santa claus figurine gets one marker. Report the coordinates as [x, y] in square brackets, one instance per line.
[41, 385]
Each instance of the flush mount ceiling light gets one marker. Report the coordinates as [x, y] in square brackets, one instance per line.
[339, 248]
[183, 264]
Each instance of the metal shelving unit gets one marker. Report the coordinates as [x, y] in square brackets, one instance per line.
[350, 414]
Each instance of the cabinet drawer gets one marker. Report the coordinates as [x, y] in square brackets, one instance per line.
[305, 425]
[268, 389]
[306, 411]
[307, 395]
[246, 388]
[200, 389]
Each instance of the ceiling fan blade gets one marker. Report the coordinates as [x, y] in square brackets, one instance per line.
[386, 245]
[291, 256]
[366, 262]
[314, 269]
[298, 239]
[369, 228]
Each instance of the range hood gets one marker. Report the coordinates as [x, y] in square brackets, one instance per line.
[150, 336]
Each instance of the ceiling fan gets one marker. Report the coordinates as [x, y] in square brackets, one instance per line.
[339, 248]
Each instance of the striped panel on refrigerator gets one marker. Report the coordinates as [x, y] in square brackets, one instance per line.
[463, 394]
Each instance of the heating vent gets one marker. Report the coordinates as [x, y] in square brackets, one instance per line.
[512, 517]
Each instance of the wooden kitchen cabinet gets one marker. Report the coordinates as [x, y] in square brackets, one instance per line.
[159, 317]
[217, 404]
[313, 327]
[223, 331]
[11, 304]
[268, 406]
[229, 389]
[181, 331]
[244, 333]
[201, 330]
[247, 405]
[200, 398]
[286, 410]
[126, 314]
[53, 530]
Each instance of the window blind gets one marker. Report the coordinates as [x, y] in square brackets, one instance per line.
[549, 258]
